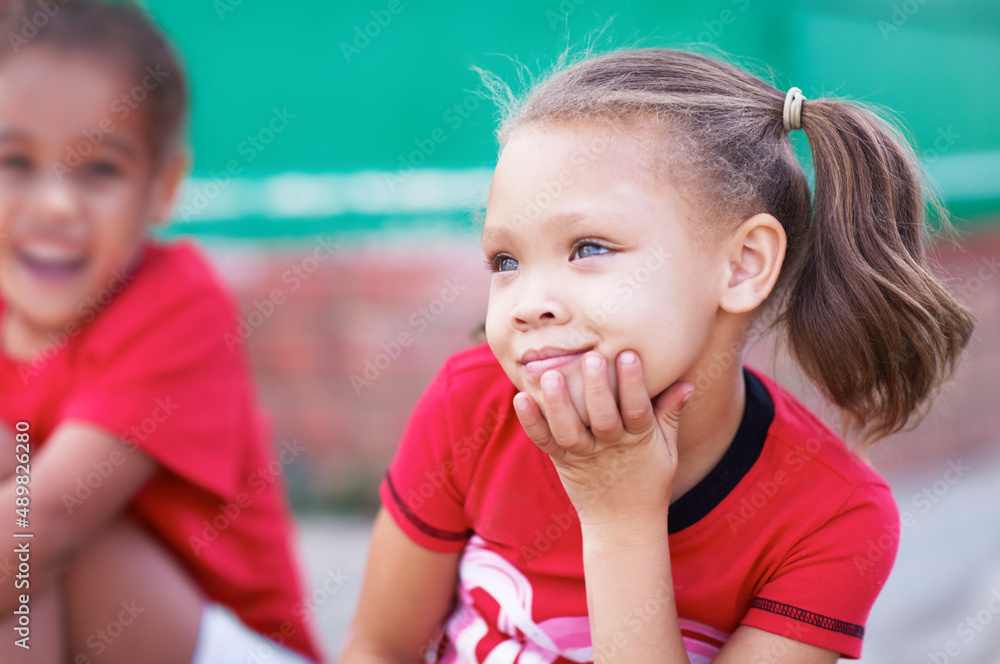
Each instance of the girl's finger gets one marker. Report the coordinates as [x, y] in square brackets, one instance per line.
[668, 408]
[534, 425]
[605, 422]
[636, 408]
[564, 422]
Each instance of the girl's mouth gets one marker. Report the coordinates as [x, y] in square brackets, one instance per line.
[536, 367]
[51, 265]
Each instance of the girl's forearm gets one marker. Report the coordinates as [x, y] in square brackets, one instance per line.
[630, 592]
[354, 656]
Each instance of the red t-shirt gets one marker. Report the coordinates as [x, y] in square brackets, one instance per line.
[151, 364]
[791, 533]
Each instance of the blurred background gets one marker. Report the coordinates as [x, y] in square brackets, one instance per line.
[361, 126]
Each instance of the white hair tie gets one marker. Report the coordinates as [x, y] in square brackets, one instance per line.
[792, 113]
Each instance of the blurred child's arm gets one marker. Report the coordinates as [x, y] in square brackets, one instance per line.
[7, 461]
[405, 599]
[60, 518]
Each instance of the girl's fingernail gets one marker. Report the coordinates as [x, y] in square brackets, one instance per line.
[686, 397]
[592, 361]
[521, 402]
[550, 382]
[628, 357]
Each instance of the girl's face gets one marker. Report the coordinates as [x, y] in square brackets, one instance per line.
[77, 185]
[588, 254]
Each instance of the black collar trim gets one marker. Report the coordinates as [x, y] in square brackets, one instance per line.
[742, 454]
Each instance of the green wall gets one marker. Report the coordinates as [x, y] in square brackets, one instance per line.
[350, 112]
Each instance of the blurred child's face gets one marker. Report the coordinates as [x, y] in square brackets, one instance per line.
[77, 186]
[588, 254]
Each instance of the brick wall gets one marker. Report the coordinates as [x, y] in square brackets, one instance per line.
[352, 339]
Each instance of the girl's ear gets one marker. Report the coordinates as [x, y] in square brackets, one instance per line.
[167, 186]
[754, 252]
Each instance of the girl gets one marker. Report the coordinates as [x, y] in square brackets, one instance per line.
[154, 527]
[646, 211]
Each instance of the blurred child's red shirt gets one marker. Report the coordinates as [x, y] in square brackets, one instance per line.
[150, 363]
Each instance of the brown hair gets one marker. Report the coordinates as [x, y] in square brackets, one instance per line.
[865, 318]
[120, 32]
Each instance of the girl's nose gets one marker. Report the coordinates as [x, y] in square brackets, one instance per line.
[538, 306]
[54, 201]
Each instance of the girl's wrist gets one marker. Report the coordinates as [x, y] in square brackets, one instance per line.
[607, 516]
[635, 529]
[633, 502]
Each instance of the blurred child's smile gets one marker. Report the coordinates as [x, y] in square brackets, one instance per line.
[49, 262]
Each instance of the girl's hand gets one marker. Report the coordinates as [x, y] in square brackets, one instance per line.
[623, 465]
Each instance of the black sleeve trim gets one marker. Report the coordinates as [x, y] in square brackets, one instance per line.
[422, 525]
[809, 617]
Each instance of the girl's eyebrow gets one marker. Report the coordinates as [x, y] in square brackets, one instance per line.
[121, 146]
[12, 135]
[565, 220]
[493, 234]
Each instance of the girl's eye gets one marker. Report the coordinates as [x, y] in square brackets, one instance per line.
[588, 249]
[503, 263]
[15, 163]
[102, 169]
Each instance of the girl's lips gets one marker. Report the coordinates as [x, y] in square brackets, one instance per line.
[538, 367]
[49, 270]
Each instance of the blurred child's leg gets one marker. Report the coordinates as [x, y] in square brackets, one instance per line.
[128, 600]
[46, 636]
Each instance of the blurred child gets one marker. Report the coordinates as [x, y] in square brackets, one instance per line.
[647, 211]
[131, 436]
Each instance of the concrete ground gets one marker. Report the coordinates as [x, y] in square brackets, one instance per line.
[938, 606]
[941, 604]
[333, 549]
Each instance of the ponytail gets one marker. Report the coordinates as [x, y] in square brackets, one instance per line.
[866, 319]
